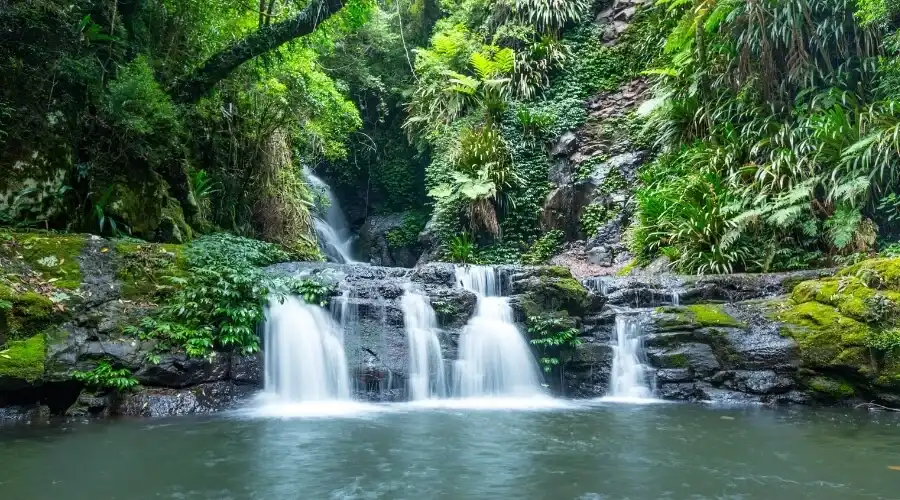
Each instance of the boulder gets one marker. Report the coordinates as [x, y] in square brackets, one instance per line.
[385, 240]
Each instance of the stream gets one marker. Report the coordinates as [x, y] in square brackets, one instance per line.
[567, 450]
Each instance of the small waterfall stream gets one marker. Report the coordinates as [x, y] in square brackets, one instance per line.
[304, 354]
[628, 380]
[494, 357]
[334, 235]
[427, 377]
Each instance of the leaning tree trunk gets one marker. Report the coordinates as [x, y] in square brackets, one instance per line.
[195, 85]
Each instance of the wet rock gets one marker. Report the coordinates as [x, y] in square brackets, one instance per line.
[436, 274]
[24, 413]
[98, 272]
[761, 346]
[89, 404]
[379, 249]
[205, 398]
[651, 290]
[247, 369]
[699, 358]
[178, 370]
[681, 391]
[453, 306]
[754, 382]
[674, 375]
[565, 145]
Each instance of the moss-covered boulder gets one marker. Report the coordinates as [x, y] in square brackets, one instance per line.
[551, 289]
[24, 314]
[22, 361]
[848, 330]
[827, 338]
[147, 211]
[881, 274]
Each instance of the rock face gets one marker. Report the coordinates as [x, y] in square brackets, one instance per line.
[776, 338]
[383, 242]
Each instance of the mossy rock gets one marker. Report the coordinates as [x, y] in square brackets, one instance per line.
[553, 293]
[149, 212]
[23, 314]
[827, 338]
[695, 316]
[23, 360]
[849, 294]
[882, 274]
[145, 268]
[830, 388]
[54, 256]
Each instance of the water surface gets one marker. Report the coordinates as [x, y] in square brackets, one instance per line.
[600, 451]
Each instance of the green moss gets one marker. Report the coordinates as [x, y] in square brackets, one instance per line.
[694, 316]
[555, 294]
[144, 268]
[712, 315]
[23, 314]
[849, 294]
[826, 337]
[54, 256]
[830, 387]
[23, 359]
[145, 207]
[559, 271]
[674, 360]
[883, 274]
[173, 227]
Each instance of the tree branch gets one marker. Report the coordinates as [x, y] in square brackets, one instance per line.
[198, 83]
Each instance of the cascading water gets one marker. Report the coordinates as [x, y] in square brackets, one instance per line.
[335, 238]
[427, 377]
[304, 350]
[494, 358]
[628, 380]
[596, 284]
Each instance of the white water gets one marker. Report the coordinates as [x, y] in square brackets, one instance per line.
[628, 380]
[427, 378]
[335, 238]
[597, 284]
[676, 298]
[304, 349]
[494, 358]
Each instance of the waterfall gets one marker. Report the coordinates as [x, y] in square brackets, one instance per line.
[335, 238]
[494, 358]
[597, 284]
[426, 363]
[676, 298]
[304, 350]
[628, 381]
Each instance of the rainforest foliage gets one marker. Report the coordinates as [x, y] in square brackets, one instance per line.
[772, 128]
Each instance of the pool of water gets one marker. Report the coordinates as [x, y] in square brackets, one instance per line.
[576, 451]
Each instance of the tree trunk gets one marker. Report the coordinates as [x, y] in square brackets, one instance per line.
[195, 85]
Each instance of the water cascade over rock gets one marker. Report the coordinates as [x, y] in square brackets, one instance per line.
[304, 350]
[427, 378]
[628, 380]
[494, 358]
[335, 238]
